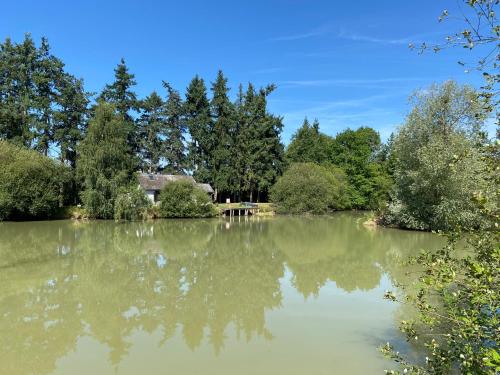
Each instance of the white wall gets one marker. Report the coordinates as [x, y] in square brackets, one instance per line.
[151, 195]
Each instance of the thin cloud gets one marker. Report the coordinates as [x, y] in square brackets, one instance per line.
[365, 38]
[378, 82]
[337, 104]
[335, 116]
[418, 38]
[310, 34]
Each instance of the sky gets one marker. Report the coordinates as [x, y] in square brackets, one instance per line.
[346, 63]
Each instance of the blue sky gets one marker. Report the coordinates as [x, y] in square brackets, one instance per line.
[346, 63]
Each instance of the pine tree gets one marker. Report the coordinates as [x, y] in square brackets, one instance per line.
[120, 93]
[16, 91]
[200, 126]
[23, 87]
[223, 132]
[266, 148]
[71, 118]
[47, 73]
[175, 149]
[243, 136]
[152, 132]
[70, 121]
[35, 97]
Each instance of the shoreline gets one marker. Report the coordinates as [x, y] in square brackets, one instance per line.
[77, 215]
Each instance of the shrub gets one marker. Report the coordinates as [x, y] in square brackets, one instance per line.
[30, 183]
[99, 200]
[182, 199]
[131, 204]
[310, 188]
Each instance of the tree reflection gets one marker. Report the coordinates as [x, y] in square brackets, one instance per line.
[61, 280]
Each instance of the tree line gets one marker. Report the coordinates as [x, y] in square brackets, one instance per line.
[357, 157]
[102, 139]
[233, 145]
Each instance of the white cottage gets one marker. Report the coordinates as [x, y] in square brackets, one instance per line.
[154, 183]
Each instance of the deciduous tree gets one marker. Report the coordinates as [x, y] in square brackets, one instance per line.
[308, 144]
[106, 162]
[355, 152]
[438, 162]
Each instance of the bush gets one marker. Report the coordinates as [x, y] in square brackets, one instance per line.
[396, 215]
[99, 201]
[30, 183]
[131, 204]
[310, 188]
[182, 199]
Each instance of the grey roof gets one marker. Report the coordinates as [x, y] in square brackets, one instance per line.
[206, 188]
[151, 181]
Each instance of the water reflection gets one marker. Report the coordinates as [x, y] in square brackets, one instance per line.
[60, 281]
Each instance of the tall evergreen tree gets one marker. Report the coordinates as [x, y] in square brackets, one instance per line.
[32, 94]
[47, 73]
[71, 119]
[36, 95]
[265, 147]
[152, 132]
[200, 126]
[259, 159]
[175, 148]
[24, 89]
[121, 94]
[16, 90]
[244, 134]
[69, 127]
[120, 91]
[223, 132]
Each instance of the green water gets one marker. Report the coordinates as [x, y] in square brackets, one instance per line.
[283, 295]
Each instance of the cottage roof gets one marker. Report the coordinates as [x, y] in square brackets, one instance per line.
[151, 181]
[206, 188]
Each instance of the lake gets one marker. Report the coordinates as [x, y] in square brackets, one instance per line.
[279, 295]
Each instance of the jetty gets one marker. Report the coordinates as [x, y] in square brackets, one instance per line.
[242, 209]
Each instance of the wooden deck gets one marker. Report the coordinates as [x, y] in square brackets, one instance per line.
[240, 211]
